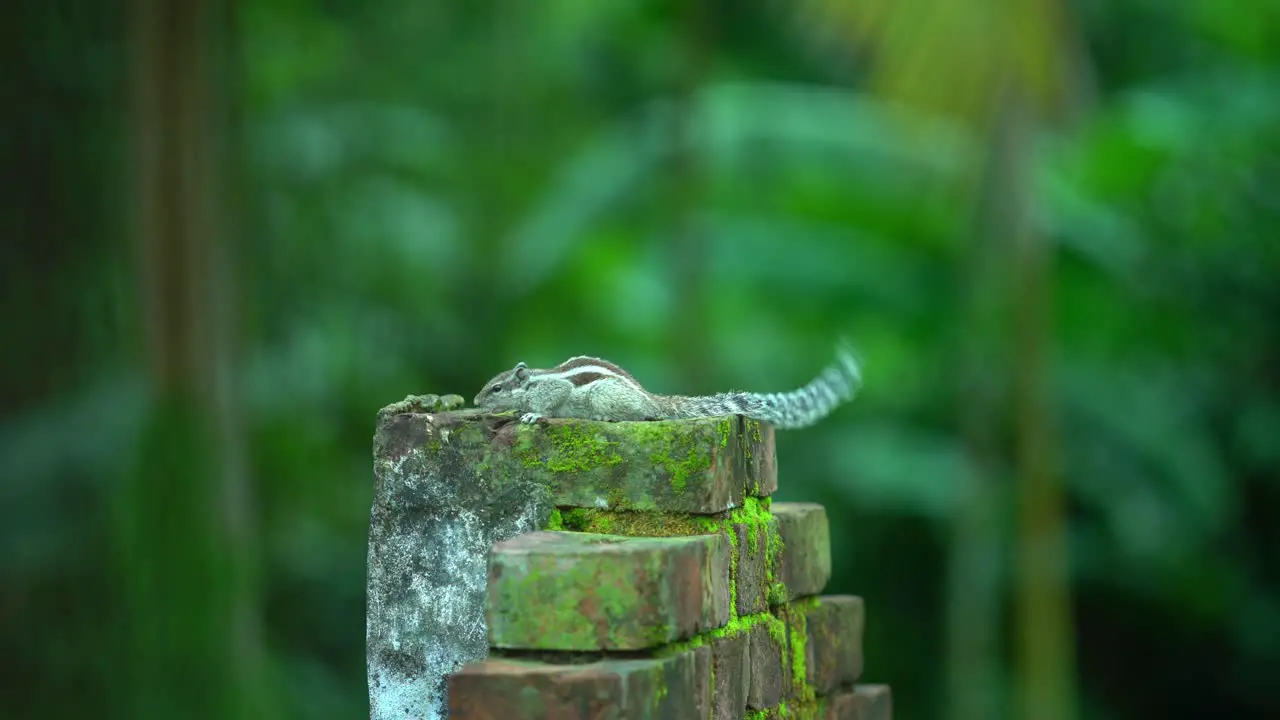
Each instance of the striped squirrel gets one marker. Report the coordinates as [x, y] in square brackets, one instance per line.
[594, 389]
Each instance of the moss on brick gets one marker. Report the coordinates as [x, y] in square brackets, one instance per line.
[751, 430]
[680, 455]
[733, 573]
[753, 514]
[564, 591]
[683, 466]
[798, 632]
[637, 523]
[556, 521]
[777, 629]
[725, 428]
[777, 593]
[570, 448]
[735, 627]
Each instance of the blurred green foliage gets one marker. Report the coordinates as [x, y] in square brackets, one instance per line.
[426, 192]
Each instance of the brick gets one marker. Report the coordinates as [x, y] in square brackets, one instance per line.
[874, 702]
[702, 664]
[730, 660]
[586, 592]
[864, 702]
[760, 458]
[766, 660]
[686, 466]
[499, 689]
[833, 652]
[804, 565]
[752, 580]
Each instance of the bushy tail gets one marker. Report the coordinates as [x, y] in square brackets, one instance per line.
[836, 384]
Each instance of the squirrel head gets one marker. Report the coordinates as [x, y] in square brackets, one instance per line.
[503, 390]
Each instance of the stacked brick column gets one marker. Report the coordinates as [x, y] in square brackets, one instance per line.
[661, 582]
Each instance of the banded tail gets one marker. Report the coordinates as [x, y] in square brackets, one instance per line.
[836, 384]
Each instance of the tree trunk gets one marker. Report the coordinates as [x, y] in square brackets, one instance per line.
[188, 555]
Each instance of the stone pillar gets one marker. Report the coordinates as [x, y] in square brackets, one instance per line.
[614, 569]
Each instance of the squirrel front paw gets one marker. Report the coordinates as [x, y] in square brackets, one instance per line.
[530, 417]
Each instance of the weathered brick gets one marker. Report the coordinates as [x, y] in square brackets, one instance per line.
[864, 702]
[767, 666]
[760, 457]
[730, 661]
[702, 668]
[804, 565]
[582, 592]
[686, 466]
[833, 653]
[499, 689]
[875, 702]
[752, 580]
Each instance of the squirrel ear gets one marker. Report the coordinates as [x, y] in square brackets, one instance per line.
[521, 372]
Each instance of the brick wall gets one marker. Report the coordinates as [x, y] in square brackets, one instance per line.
[611, 570]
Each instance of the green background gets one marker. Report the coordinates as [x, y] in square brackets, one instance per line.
[360, 201]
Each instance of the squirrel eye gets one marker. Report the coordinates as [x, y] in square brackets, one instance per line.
[495, 388]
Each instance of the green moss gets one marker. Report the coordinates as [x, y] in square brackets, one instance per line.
[798, 629]
[753, 514]
[680, 470]
[777, 594]
[564, 448]
[539, 576]
[733, 573]
[753, 540]
[725, 428]
[569, 448]
[525, 449]
[605, 524]
[679, 454]
[658, 633]
[776, 628]
[574, 519]
[556, 522]
[733, 628]
[434, 444]
[617, 498]
[635, 523]
[750, 428]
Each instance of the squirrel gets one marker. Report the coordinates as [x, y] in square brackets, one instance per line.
[594, 389]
